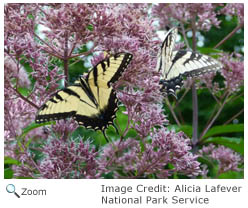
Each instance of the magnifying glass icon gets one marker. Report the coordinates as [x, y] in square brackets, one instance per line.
[10, 188]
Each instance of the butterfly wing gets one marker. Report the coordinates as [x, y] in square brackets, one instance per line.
[190, 64]
[186, 64]
[175, 65]
[99, 81]
[90, 101]
[109, 70]
[65, 103]
[164, 58]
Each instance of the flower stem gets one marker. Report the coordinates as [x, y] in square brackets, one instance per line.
[214, 118]
[172, 111]
[228, 36]
[66, 70]
[194, 94]
[233, 117]
[25, 99]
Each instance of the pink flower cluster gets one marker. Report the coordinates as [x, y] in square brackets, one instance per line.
[226, 157]
[61, 160]
[234, 10]
[204, 14]
[233, 71]
[68, 160]
[133, 161]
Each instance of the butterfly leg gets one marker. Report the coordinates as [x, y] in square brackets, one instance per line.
[105, 136]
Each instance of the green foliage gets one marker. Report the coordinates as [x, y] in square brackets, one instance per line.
[231, 174]
[235, 143]
[213, 36]
[8, 162]
[23, 91]
[187, 129]
[11, 161]
[8, 173]
[211, 164]
[76, 65]
[231, 128]
[76, 69]
[90, 27]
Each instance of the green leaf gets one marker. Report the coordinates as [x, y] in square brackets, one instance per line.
[90, 27]
[23, 91]
[11, 161]
[209, 50]
[232, 174]
[231, 128]
[34, 126]
[30, 16]
[187, 129]
[142, 146]
[26, 130]
[22, 177]
[212, 164]
[122, 118]
[235, 143]
[8, 173]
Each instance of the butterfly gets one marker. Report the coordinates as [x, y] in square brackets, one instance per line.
[91, 100]
[175, 65]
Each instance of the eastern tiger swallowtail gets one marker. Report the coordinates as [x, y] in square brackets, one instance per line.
[90, 101]
[175, 65]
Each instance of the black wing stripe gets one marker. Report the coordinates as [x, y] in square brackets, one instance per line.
[70, 92]
[88, 91]
[95, 74]
[55, 116]
[125, 61]
[178, 55]
[192, 57]
[108, 62]
[160, 64]
[103, 65]
[52, 100]
[58, 97]
[43, 107]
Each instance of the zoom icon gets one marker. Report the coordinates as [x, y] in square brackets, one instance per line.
[10, 188]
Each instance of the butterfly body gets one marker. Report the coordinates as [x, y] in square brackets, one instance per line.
[170, 86]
